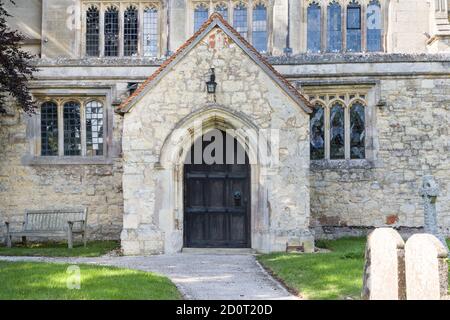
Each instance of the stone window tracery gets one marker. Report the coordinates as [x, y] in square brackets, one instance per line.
[249, 18]
[338, 126]
[200, 15]
[151, 31]
[122, 28]
[92, 31]
[314, 26]
[73, 127]
[344, 26]
[259, 29]
[111, 32]
[222, 9]
[130, 36]
[49, 129]
[240, 19]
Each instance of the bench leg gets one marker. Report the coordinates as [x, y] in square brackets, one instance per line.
[24, 241]
[8, 241]
[84, 239]
[69, 239]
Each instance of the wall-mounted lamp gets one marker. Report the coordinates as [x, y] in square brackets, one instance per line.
[212, 84]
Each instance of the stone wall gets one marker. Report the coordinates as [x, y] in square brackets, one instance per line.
[97, 187]
[413, 141]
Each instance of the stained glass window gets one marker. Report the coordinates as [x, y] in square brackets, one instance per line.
[111, 32]
[94, 128]
[151, 32]
[334, 29]
[259, 30]
[317, 132]
[354, 27]
[374, 26]
[357, 131]
[130, 31]
[222, 10]
[72, 129]
[337, 132]
[313, 28]
[240, 19]
[92, 32]
[49, 129]
[200, 16]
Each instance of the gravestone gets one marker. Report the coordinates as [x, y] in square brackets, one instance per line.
[429, 192]
[384, 270]
[426, 268]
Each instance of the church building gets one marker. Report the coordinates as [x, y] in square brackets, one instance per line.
[335, 110]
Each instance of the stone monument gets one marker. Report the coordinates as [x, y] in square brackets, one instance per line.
[384, 271]
[429, 192]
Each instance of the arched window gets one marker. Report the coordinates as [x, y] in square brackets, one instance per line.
[334, 27]
[200, 15]
[150, 32]
[317, 133]
[337, 131]
[314, 28]
[259, 28]
[92, 32]
[357, 131]
[72, 129]
[222, 10]
[94, 128]
[130, 31]
[111, 32]
[374, 30]
[240, 19]
[353, 27]
[49, 129]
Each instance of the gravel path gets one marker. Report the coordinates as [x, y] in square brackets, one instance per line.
[197, 276]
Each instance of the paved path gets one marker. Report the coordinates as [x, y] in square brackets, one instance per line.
[197, 276]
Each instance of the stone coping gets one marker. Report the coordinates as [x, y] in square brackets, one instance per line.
[303, 58]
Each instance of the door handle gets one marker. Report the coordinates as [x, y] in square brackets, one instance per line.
[237, 198]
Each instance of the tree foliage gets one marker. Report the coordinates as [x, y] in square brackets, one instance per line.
[15, 67]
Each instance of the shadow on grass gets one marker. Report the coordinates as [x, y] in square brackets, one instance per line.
[59, 249]
[334, 275]
[42, 281]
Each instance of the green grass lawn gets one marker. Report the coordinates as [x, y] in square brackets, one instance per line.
[52, 249]
[334, 275]
[42, 281]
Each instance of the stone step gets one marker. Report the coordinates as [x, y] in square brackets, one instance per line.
[229, 251]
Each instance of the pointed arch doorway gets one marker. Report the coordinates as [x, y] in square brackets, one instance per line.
[217, 194]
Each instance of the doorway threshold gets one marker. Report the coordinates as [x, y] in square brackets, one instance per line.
[229, 251]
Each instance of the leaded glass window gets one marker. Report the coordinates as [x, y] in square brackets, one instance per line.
[334, 27]
[222, 10]
[72, 129]
[130, 32]
[94, 128]
[337, 132]
[111, 32]
[317, 132]
[49, 129]
[200, 16]
[92, 32]
[357, 131]
[259, 29]
[150, 32]
[354, 27]
[314, 27]
[374, 26]
[240, 19]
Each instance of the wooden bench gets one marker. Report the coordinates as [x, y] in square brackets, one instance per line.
[49, 223]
